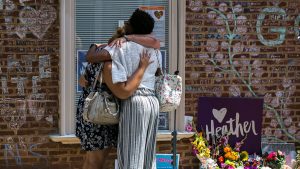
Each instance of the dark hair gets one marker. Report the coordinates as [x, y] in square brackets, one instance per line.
[141, 22]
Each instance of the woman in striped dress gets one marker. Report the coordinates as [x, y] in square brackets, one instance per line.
[139, 105]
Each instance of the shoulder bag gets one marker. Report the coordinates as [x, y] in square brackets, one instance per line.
[168, 89]
[101, 107]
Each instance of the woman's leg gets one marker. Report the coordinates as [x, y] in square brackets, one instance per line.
[95, 159]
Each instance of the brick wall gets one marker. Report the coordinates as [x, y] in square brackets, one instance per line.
[253, 62]
[29, 72]
[29, 57]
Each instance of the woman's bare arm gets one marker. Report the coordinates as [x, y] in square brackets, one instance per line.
[103, 55]
[82, 81]
[123, 90]
[144, 40]
[97, 57]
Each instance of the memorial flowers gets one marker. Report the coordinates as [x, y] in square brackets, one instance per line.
[202, 150]
[219, 154]
[200, 146]
[274, 160]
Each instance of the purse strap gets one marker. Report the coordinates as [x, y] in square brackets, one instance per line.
[98, 75]
[159, 67]
[162, 74]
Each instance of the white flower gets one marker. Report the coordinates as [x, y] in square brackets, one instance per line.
[238, 8]
[212, 45]
[266, 168]
[219, 56]
[211, 14]
[211, 162]
[288, 121]
[292, 129]
[286, 83]
[195, 5]
[268, 131]
[224, 45]
[223, 7]
[274, 123]
[278, 133]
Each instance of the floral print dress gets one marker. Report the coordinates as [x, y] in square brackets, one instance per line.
[93, 136]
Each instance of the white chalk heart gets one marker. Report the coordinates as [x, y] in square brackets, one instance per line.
[38, 21]
[49, 119]
[21, 31]
[219, 114]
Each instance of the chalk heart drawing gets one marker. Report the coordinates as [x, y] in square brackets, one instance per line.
[219, 114]
[21, 31]
[36, 21]
[158, 14]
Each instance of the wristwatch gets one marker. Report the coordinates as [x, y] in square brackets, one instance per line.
[126, 37]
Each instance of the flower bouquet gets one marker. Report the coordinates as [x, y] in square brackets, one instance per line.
[274, 160]
[202, 151]
[218, 154]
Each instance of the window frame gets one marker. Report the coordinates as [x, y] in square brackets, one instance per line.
[67, 63]
[67, 68]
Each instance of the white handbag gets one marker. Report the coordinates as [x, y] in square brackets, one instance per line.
[168, 90]
[101, 107]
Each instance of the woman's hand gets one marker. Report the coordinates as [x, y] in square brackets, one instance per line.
[117, 42]
[144, 60]
[100, 45]
[82, 81]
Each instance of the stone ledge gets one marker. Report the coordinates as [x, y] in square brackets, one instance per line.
[161, 136]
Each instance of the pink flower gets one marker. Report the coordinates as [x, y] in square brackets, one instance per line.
[188, 128]
[272, 156]
[229, 167]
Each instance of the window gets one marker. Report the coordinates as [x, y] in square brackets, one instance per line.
[92, 21]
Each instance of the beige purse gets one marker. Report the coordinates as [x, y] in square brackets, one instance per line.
[101, 107]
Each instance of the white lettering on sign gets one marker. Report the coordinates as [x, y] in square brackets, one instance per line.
[233, 127]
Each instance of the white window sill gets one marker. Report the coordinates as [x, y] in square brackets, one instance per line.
[161, 136]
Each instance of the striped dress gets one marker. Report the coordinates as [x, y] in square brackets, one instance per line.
[139, 113]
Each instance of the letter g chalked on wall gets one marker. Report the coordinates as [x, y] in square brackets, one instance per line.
[280, 30]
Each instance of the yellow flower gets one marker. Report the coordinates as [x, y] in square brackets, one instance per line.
[230, 163]
[244, 155]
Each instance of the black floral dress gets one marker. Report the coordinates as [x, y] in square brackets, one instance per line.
[93, 136]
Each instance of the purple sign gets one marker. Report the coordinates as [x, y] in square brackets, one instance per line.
[237, 117]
